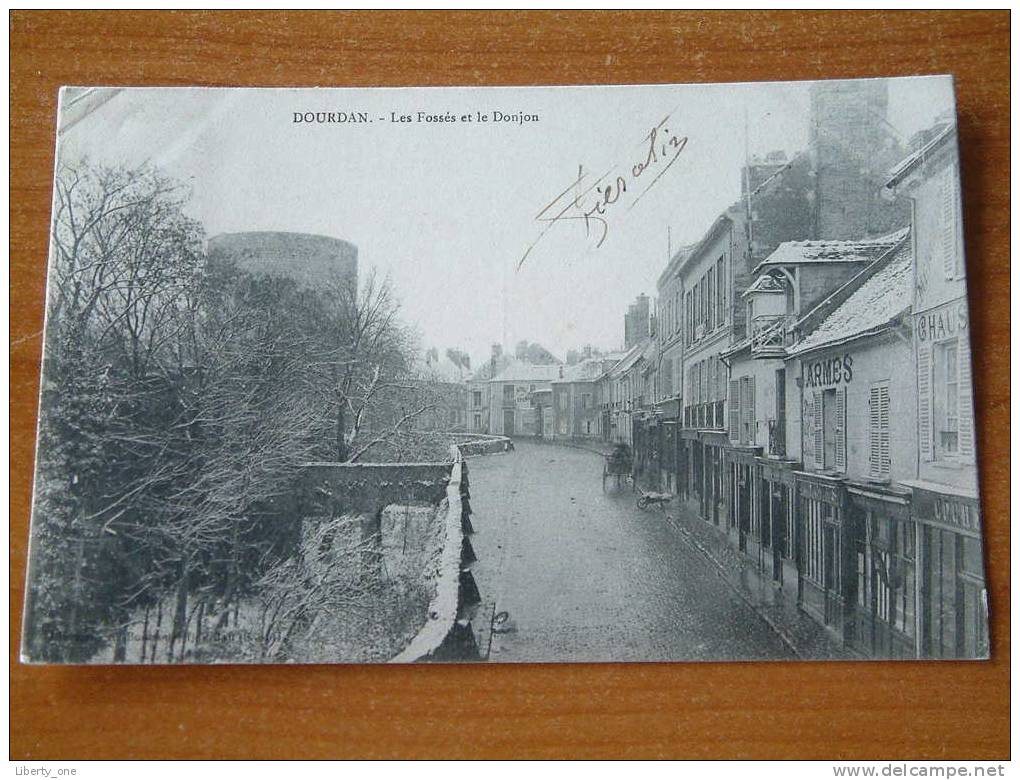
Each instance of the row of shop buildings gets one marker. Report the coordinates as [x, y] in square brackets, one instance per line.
[802, 382]
[812, 400]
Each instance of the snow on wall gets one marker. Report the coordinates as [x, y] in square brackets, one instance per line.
[445, 605]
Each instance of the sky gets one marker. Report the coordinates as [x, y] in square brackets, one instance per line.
[449, 209]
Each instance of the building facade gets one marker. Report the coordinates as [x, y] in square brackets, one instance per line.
[952, 595]
[776, 403]
[858, 568]
[520, 400]
[576, 413]
[480, 410]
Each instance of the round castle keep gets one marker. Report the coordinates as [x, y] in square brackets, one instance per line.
[304, 257]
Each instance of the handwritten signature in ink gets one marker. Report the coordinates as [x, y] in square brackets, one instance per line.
[594, 205]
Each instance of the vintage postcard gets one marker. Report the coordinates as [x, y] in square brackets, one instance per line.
[631, 373]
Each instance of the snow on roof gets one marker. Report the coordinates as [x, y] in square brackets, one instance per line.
[796, 252]
[587, 370]
[445, 370]
[436, 367]
[908, 163]
[874, 304]
[485, 370]
[765, 283]
[629, 359]
[778, 174]
[519, 371]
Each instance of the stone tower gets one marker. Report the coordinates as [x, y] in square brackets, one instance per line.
[312, 260]
[853, 146]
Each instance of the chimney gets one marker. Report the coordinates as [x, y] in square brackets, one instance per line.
[497, 351]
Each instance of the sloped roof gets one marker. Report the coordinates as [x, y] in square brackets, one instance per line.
[527, 372]
[878, 301]
[899, 171]
[765, 283]
[587, 370]
[799, 252]
[485, 370]
[444, 370]
[769, 181]
[629, 358]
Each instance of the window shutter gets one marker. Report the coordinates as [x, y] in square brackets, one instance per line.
[734, 410]
[750, 411]
[884, 460]
[874, 432]
[924, 429]
[841, 429]
[819, 432]
[808, 428]
[949, 226]
[965, 399]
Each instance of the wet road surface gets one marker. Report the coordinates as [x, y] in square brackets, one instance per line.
[587, 576]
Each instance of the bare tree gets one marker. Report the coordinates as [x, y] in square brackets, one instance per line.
[181, 397]
[364, 366]
[122, 254]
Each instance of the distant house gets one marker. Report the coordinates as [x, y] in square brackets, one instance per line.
[478, 411]
[440, 383]
[615, 396]
[574, 406]
[520, 400]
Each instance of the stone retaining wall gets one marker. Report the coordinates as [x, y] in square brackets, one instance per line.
[330, 489]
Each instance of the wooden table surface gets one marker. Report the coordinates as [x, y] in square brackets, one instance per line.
[745, 710]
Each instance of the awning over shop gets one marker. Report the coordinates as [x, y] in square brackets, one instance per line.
[882, 499]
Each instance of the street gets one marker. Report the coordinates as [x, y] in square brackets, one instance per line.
[587, 576]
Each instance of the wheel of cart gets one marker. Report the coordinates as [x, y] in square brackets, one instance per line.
[617, 464]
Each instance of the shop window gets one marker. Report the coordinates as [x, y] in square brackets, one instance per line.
[813, 544]
[971, 561]
[942, 593]
[885, 573]
[790, 548]
[956, 614]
